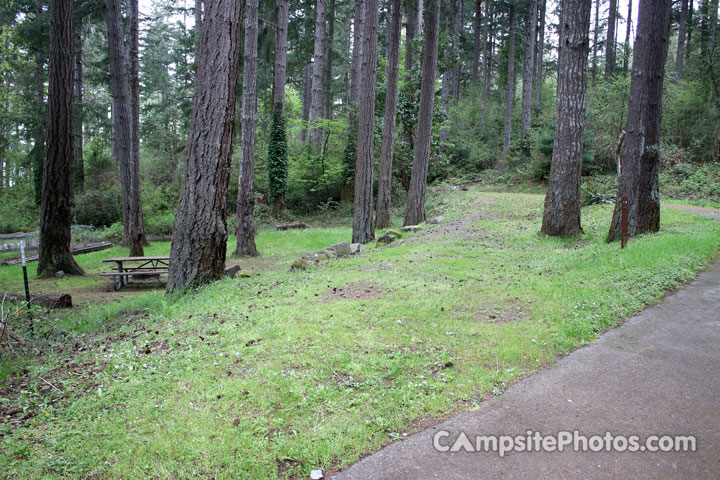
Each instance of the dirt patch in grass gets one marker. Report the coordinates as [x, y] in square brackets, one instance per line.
[354, 291]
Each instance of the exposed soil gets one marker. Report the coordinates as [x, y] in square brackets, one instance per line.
[354, 291]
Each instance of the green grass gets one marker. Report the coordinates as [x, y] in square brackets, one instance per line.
[280, 373]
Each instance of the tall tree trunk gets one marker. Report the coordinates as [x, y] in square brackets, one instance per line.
[411, 27]
[487, 67]
[529, 68]
[540, 53]
[277, 146]
[125, 145]
[307, 92]
[712, 22]
[640, 153]
[447, 78]
[610, 41]
[38, 132]
[391, 97]
[57, 188]
[477, 26]
[327, 73]
[688, 48]
[457, 41]
[626, 46]
[681, 41]
[357, 50]
[245, 223]
[136, 234]
[316, 133]
[363, 230]
[596, 39]
[510, 92]
[79, 179]
[562, 202]
[199, 243]
[198, 25]
[415, 209]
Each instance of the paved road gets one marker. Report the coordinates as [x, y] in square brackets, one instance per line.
[657, 374]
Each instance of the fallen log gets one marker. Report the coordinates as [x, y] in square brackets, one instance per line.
[288, 226]
[47, 300]
[87, 248]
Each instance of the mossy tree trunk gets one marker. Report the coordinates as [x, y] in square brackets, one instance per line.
[640, 153]
[562, 201]
[415, 208]
[199, 243]
[391, 97]
[363, 230]
[57, 186]
[245, 222]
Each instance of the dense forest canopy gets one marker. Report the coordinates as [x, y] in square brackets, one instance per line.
[485, 124]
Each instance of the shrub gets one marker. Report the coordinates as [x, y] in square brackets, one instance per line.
[18, 211]
[159, 223]
[598, 189]
[99, 207]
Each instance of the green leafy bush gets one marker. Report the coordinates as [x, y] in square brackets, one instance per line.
[18, 211]
[598, 189]
[99, 207]
[159, 223]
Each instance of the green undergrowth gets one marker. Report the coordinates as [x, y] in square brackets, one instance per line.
[277, 374]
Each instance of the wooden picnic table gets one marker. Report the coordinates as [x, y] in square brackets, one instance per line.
[139, 267]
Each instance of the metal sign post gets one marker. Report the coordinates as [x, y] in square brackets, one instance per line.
[22, 254]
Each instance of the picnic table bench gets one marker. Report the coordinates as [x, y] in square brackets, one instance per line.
[127, 267]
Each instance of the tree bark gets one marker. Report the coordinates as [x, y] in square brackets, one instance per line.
[57, 187]
[124, 110]
[327, 73]
[307, 91]
[446, 77]
[357, 50]
[280, 72]
[317, 75]
[596, 35]
[277, 148]
[610, 40]
[136, 234]
[199, 242]
[198, 25]
[477, 26]
[626, 46]
[487, 73]
[363, 230]
[640, 153]
[681, 41]
[391, 97]
[411, 27]
[457, 41]
[562, 201]
[688, 47]
[79, 179]
[245, 223]
[415, 208]
[529, 68]
[38, 151]
[540, 53]
[510, 91]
